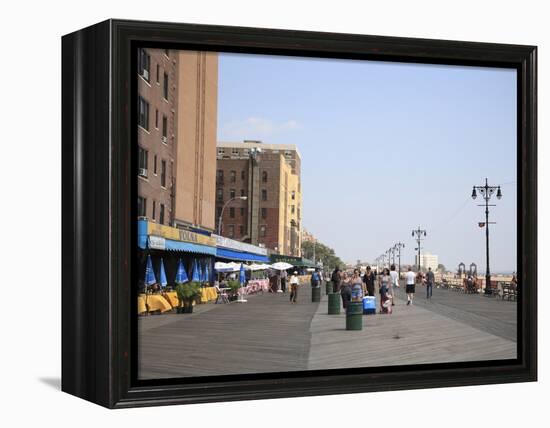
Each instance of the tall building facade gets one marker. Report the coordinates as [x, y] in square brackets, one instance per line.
[177, 127]
[268, 175]
[157, 133]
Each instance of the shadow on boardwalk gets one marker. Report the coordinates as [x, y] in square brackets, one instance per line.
[267, 334]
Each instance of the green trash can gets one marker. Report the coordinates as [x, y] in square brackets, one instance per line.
[315, 294]
[354, 316]
[328, 287]
[333, 303]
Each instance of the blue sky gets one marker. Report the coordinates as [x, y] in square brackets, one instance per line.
[385, 147]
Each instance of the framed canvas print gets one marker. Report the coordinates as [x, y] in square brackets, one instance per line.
[253, 213]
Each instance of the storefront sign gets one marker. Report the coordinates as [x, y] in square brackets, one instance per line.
[157, 242]
[239, 246]
[175, 234]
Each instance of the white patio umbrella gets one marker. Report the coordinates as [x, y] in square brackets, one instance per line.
[281, 266]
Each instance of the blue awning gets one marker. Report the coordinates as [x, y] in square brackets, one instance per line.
[189, 247]
[224, 253]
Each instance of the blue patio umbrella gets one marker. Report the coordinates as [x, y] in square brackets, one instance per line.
[196, 273]
[162, 275]
[242, 277]
[149, 272]
[181, 275]
[206, 273]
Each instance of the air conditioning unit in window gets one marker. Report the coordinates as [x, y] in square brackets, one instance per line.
[143, 172]
[146, 74]
[164, 139]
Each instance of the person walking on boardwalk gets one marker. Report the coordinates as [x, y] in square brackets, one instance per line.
[345, 290]
[294, 284]
[315, 279]
[394, 284]
[356, 287]
[284, 276]
[410, 279]
[430, 279]
[336, 279]
[385, 296]
[368, 279]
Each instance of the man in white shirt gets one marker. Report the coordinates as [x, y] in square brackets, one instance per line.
[294, 283]
[409, 289]
[394, 283]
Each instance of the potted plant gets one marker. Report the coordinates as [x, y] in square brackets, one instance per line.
[187, 294]
[234, 285]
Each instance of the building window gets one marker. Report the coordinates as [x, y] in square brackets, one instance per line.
[242, 212]
[242, 175]
[232, 176]
[221, 151]
[231, 230]
[164, 128]
[293, 195]
[154, 209]
[219, 194]
[242, 192]
[143, 162]
[165, 87]
[235, 151]
[161, 216]
[264, 176]
[232, 212]
[220, 174]
[219, 212]
[155, 165]
[158, 73]
[144, 63]
[241, 230]
[163, 173]
[264, 195]
[292, 209]
[263, 231]
[264, 213]
[142, 206]
[143, 113]
[231, 193]
[288, 154]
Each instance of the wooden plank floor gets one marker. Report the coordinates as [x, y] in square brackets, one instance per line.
[268, 334]
[411, 335]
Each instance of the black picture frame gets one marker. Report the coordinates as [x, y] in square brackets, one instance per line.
[98, 231]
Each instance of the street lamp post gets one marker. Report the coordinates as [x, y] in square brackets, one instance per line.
[244, 198]
[419, 233]
[398, 247]
[487, 191]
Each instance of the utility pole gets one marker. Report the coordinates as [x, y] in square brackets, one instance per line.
[487, 191]
[420, 233]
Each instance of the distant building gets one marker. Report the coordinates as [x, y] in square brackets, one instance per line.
[427, 260]
[269, 176]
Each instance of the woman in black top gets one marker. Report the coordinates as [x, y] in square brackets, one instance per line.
[368, 279]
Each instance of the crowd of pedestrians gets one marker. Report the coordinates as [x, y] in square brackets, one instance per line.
[353, 286]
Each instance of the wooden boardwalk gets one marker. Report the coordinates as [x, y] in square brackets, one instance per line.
[268, 334]
[410, 335]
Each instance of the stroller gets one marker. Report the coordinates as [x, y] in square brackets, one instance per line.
[386, 301]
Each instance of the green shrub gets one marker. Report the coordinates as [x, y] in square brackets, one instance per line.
[188, 293]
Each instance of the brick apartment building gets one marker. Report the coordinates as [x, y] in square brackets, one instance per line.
[177, 126]
[268, 175]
